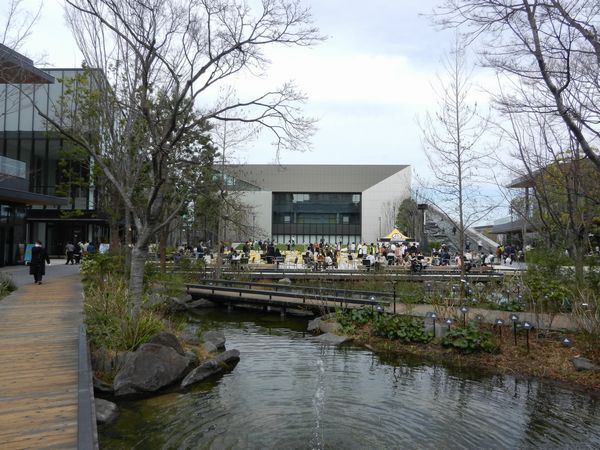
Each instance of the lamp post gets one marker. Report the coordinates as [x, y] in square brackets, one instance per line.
[433, 317]
[514, 319]
[499, 323]
[464, 310]
[527, 325]
[566, 342]
[449, 322]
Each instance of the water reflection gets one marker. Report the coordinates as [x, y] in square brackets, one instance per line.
[291, 392]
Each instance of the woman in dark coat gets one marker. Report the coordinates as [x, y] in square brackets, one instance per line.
[39, 257]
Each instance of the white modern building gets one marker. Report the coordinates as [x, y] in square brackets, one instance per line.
[310, 203]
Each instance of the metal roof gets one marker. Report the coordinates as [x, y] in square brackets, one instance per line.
[16, 68]
[313, 178]
[30, 198]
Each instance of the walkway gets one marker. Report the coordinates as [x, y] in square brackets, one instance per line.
[40, 367]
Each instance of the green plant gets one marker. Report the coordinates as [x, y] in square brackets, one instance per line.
[7, 284]
[109, 320]
[96, 267]
[512, 305]
[469, 339]
[404, 328]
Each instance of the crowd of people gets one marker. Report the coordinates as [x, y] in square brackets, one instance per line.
[321, 255]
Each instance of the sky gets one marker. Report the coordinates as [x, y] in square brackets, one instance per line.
[367, 83]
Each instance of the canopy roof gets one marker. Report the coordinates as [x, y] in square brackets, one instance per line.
[396, 236]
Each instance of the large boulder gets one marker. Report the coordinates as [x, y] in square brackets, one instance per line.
[107, 361]
[150, 368]
[106, 411]
[224, 362]
[332, 339]
[102, 386]
[217, 338]
[321, 325]
[168, 340]
[200, 303]
[189, 335]
[314, 325]
[584, 364]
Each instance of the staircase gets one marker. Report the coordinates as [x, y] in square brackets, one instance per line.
[439, 228]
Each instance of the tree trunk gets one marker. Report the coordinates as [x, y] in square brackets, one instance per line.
[139, 255]
[163, 249]
[115, 242]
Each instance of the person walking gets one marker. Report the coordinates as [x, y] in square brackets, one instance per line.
[39, 257]
[70, 250]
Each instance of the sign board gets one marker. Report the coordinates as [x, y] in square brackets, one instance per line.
[27, 258]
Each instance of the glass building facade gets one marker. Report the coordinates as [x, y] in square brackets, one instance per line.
[26, 139]
[316, 216]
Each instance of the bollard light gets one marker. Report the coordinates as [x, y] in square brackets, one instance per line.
[433, 316]
[566, 342]
[514, 319]
[528, 326]
[464, 310]
[449, 322]
[499, 323]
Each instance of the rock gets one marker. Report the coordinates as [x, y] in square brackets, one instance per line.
[314, 325]
[333, 339]
[106, 361]
[168, 340]
[217, 338]
[209, 347]
[155, 299]
[106, 411]
[581, 364]
[192, 358]
[102, 386]
[149, 369]
[175, 304]
[285, 281]
[319, 324]
[189, 335]
[200, 303]
[219, 364]
[329, 327]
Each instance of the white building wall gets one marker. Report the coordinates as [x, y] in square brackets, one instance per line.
[261, 216]
[378, 204]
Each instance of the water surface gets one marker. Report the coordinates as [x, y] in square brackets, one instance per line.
[291, 392]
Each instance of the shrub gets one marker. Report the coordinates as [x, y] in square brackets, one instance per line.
[469, 339]
[7, 284]
[96, 267]
[404, 328]
[356, 316]
[108, 318]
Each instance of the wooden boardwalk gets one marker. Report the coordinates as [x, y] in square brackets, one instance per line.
[39, 365]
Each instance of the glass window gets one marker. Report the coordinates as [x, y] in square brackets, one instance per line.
[26, 109]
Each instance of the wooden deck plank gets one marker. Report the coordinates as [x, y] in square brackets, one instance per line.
[39, 329]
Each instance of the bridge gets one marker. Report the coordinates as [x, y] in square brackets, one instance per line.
[284, 297]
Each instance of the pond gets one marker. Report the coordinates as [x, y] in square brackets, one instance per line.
[291, 392]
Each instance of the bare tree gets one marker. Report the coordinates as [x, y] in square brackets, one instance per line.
[561, 180]
[451, 138]
[158, 62]
[552, 46]
[16, 23]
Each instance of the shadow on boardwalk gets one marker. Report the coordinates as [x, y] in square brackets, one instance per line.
[39, 351]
